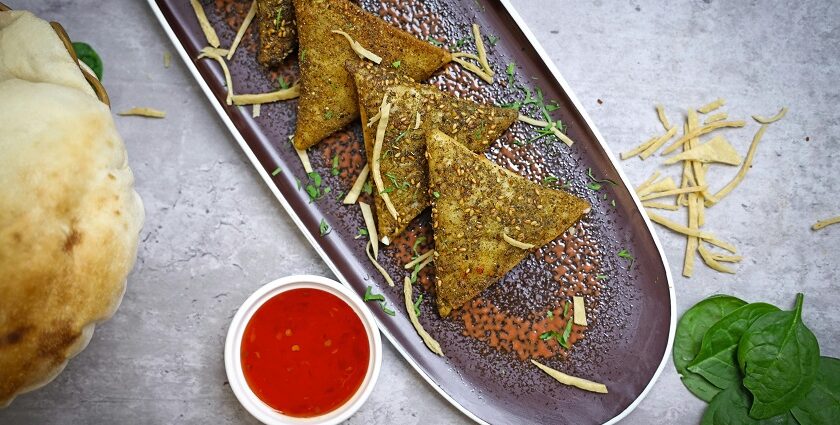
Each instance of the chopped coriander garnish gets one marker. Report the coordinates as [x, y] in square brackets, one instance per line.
[627, 256]
[434, 42]
[461, 41]
[279, 17]
[327, 190]
[297, 180]
[281, 80]
[492, 39]
[370, 296]
[589, 173]
[549, 180]
[302, 55]
[564, 339]
[367, 188]
[436, 194]
[400, 136]
[417, 243]
[417, 305]
[328, 115]
[315, 177]
[510, 70]
[594, 186]
[339, 195]
[396, 183]
[276, 171]
[414, 273]
[600, 277]
[387, 310]
[396, 64]
[324, 227]
[548, 335]
[362, 232]
[314, 189]
[335, 170]
[566, 309]
[550, 315]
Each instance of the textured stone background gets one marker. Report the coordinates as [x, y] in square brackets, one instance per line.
[214, 233]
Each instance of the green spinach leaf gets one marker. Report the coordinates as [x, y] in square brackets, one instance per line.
[822, 404]
[731, 407]
[779, 357]
[86, 54]
[692, 326]
[717, 360]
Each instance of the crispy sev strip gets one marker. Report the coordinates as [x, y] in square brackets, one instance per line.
[377, 265]
[167, 59]
[377, 152]
[275, 96]
[658, 143]
[701, 131]
[255, 111]
[827, 222]
[209, 32]
[699, 172]
[682, 199]
[356, 190]
[659, 205]
[465, 55]
[639, 149]
[774, 118]
[660, 110]
[419, 259]
[217, 50]
[304, 159]
[417, 121]
[647, 182]
[664, 184]
[373, 237]
[692, 242]
[242, 28]
[213, 54]
[482, 54]
[430, 342]
[714, 199]
[375, 118]
[720, 116]
[579, 311]
[516, 243]
[359, 49]
[710, 261]
[573, 381]
[143, 112]
[551, 126]
[726, 258]
[474, 69]
[709, 107]
[689, 189]
[679, 228]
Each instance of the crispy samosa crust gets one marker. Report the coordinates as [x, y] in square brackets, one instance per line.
[478, 203]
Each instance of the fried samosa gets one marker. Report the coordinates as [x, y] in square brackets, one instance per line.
[328, 98]
[486, 219]
[416, 109]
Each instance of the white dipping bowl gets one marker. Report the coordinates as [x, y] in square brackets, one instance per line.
[233, 363]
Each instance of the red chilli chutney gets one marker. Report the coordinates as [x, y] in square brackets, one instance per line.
[305, 352]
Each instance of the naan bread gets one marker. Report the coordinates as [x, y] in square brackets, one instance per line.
[417, 109]
[327, 97]
[69, 216]
[30, 50]
[478, 203]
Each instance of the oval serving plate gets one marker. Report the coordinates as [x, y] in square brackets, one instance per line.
[632, 301]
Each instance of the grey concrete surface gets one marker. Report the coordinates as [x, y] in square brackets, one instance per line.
[214, 233]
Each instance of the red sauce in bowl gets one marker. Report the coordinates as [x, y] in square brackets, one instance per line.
[305, 352]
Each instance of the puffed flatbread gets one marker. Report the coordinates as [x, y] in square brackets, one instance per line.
[328, 98]
[479, 204]
[417, 109]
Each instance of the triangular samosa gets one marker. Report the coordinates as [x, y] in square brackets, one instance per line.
[416, 109]
[486, 219]
[327, 98]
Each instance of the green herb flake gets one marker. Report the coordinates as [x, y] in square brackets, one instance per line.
[276, 171]
[328, 115]
[594, 186]
[436, 194]
[367, 188]
[492, 39]
[361, 233]
[589, 173]
[434, 41]
[510, 71]
[315, 177]
[627, 256]
[564, 339]
[324, 227]
[550, 315]
[396, 64]
[600, 277]
[566, 309]
[417, 243]
[387, 310]
[279, 17]
[417, 305]
[335, 170]
[370, 296]
[549, 180]
[548, 335]
[281, 80]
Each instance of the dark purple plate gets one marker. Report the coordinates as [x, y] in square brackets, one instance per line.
[486, 372]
